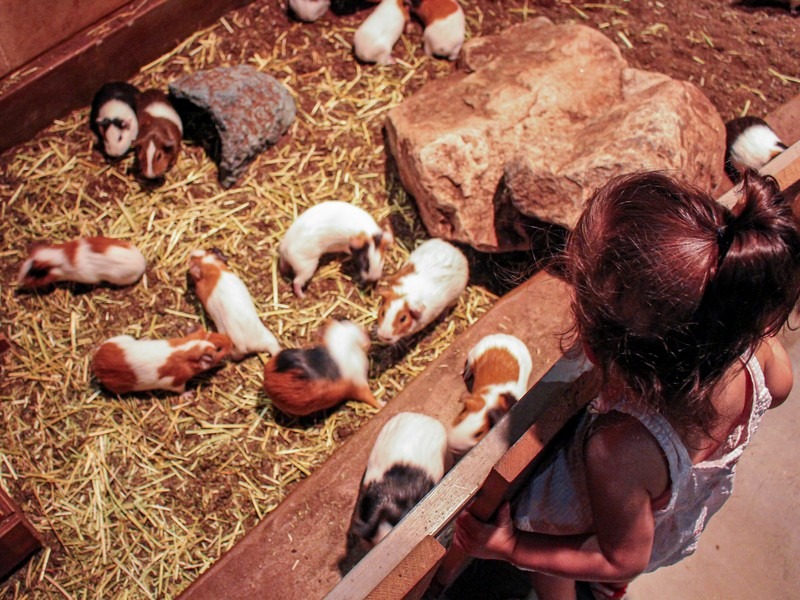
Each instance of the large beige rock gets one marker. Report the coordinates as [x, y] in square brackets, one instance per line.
[535, 121]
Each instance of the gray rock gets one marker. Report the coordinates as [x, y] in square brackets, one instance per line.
[250, 111]
[537, 118]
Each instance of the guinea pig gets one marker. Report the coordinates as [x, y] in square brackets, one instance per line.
[377, 35]
[87, 260]
[124, 364]
[113, 117]
[749, 143]
[444, 26]
[303, 381]
[229, 304]
[348, 7]
[433, 278]
[407, 460]
[309, 10]
[160, 133]
[333, 227]
[500, 366]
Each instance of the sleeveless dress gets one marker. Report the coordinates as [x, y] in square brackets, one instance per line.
[555, 500]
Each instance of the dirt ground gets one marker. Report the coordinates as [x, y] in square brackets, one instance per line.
[186, 500]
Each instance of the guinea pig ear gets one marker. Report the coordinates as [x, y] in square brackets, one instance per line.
[505, 402]
[196, 271]
[416, 311]
[218, 253]
[357, 242]
[387, 239]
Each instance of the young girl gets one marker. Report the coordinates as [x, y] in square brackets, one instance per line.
[676, 302]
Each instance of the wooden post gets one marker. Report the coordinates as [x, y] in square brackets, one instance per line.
[18, 538]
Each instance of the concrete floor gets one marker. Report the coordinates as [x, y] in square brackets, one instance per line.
[751, 548]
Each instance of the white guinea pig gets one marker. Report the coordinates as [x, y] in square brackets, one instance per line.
[124, 364]
[500, 366]
[333, 227]
[303, 381]
[229, 304]
[444, 26]
[309, 10]
[433, 278]
[88, 260]
[749, 144]
[113, 117]
[407, 460]
[377, 35]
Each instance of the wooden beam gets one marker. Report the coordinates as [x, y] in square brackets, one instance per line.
[412, 576]
[303, 543]
[67, 77]
[18, 538]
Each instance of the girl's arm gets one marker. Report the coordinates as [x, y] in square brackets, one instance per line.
[624, 470]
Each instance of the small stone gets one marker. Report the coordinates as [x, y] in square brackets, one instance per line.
[249, 110]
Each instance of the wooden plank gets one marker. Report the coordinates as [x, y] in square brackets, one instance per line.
[68, 76]
[785, 121]
[413, 575]
[302, 543]
[18, 538]
[785, 168]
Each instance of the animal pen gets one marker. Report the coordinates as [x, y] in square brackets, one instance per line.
[218, 494]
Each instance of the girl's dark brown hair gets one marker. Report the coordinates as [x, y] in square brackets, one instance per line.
[670, 287]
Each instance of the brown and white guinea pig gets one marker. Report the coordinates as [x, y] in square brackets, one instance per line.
[160, 134]
[113, 117]
[444, 26]
[229, 304]
[377, 35]
[87, 260]
[407, 460]
[124, 364]
[309, 10]
[333, 226]
[499, 366]
[749, 144]
[303, 381]
[433, 278]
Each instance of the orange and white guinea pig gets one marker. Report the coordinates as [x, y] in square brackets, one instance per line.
[500, 366]
[229, 304]
[409, 458]
[160, 133]
[124, 364]
[444, 26]
[433, 277]
[333, 226]
[377, 35]
[303, 381]
[87, 260]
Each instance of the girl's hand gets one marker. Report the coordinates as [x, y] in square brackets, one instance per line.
[494, 540]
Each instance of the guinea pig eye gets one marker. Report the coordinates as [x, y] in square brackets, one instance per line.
[403, 318]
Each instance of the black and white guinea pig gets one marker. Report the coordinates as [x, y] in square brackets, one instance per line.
[309, 10]
[160, 134]
[124, 364]
[749, 144]
[499, 366]
[377, 35]
[433, 277]
[87, 260]
[333, 226]
[409, 458]
[304, 381]
[444, 26]
[113, 117]
[229, 304]
[348, 7]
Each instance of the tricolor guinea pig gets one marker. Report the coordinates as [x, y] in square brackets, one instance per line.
[160, 134]
[749, 144]
[377, 35]
[499, 366]
[333, 227]
[309, 10]
[124, 364]
[229, 304]
[303, 381]
[87, 260]
[407, 460]
[444, 26]
[113, 117]
[433, 278]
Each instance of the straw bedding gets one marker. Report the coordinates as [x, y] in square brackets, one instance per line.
[136, 495]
